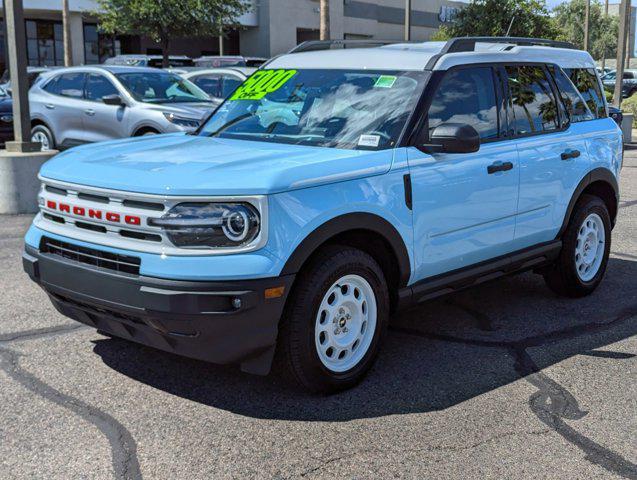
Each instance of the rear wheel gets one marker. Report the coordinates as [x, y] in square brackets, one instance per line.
[582, 263]
[334, 321]
[42, 134]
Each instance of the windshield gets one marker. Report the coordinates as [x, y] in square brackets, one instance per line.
[327, 108]
[161, 87]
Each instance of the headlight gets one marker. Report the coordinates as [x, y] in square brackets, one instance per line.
[206, 225]
[7, 118]
[181, 121]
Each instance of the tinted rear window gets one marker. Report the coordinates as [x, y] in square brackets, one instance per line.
[586, 82]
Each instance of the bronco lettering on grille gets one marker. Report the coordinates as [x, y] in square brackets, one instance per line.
[94, 213]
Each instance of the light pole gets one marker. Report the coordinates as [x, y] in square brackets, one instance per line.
[324, 22]
[21, 160]
[17, 56]
[66, 27]
[624, 11]
[604, 50]
[407, 20]
[587, 21]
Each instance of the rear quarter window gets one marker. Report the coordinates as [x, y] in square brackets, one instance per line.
[586, 82]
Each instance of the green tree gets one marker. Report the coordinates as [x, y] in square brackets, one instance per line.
[569, 17]
[527, 18]
[165, 20]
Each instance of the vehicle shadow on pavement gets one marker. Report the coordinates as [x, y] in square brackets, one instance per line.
[434, 357]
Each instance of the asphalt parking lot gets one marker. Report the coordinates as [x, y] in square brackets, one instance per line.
[502, 381]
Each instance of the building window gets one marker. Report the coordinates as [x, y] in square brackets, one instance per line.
[98, 46]
[44, 43]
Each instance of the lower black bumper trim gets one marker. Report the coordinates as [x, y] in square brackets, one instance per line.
[220, 322]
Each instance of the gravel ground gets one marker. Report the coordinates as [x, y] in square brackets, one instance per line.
[502, 381]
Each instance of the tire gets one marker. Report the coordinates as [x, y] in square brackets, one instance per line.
[41, 133]
[582, 262]
[308, 329]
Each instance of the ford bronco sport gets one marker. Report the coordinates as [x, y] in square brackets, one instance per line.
[333, 187]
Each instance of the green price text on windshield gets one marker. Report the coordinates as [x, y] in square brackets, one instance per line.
[261, 83]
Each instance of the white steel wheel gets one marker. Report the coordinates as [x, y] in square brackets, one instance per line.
[345, 323]
[590, 247]
[42, 138]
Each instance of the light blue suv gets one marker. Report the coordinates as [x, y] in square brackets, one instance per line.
[332, 188]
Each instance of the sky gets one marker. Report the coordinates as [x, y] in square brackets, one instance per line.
[553, 3]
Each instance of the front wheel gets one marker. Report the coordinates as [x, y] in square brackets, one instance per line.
[42, 134]
[585, 249]
[335, 320]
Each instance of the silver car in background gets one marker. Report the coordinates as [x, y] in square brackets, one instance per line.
[219, 83]
[77, 105]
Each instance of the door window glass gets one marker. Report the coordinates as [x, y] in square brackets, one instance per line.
[532, 101]
[466, 95]
[98, 86]
[574, 104]
[67, 85]
[211, 84]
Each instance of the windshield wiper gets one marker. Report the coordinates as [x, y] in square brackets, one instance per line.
[232, 122]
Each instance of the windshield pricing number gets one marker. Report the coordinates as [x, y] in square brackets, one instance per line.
[261, 83]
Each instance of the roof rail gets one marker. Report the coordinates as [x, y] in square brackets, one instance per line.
[312, 45]
[468, 44]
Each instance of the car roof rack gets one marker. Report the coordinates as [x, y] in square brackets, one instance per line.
[468, 44]
[313, 45]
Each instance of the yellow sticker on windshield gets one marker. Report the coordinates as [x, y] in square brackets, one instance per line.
[261, 83]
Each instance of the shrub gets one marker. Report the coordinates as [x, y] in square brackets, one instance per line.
[630, 106]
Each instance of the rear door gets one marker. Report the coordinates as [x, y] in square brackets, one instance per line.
[102, 121]
[464, 208]
[552, 150]
[62, 108]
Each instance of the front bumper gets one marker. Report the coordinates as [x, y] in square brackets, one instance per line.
[220, 322]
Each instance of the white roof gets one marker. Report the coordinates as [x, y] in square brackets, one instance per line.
[415, 56]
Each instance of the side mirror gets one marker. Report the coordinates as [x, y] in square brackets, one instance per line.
[9, 91]
[114, 99]
[453, 138]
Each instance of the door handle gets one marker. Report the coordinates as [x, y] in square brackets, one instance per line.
[499, 167]
[89, 111]
[50, 106]
[568, 154]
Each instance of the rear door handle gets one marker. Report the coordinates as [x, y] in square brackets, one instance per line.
[89, 111]
[50, 106]
[568, 153]
[499, 167]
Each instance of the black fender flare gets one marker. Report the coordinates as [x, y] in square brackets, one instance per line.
[599, 174]
[345, 223]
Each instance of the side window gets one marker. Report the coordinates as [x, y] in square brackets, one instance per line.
[229, 85]
[532, 101]
[466, 95]
[98, 86]
[211, 84]
[67, 85]
[574, 105]
[586, 82]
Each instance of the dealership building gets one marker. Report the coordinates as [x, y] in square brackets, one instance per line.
[269, 28]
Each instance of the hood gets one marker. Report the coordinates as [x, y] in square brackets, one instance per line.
[188, 110]
[180, 164]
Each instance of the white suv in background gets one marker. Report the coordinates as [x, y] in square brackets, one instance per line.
[78, 105]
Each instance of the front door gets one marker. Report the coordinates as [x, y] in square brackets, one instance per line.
[464, 205]
[101, 121]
